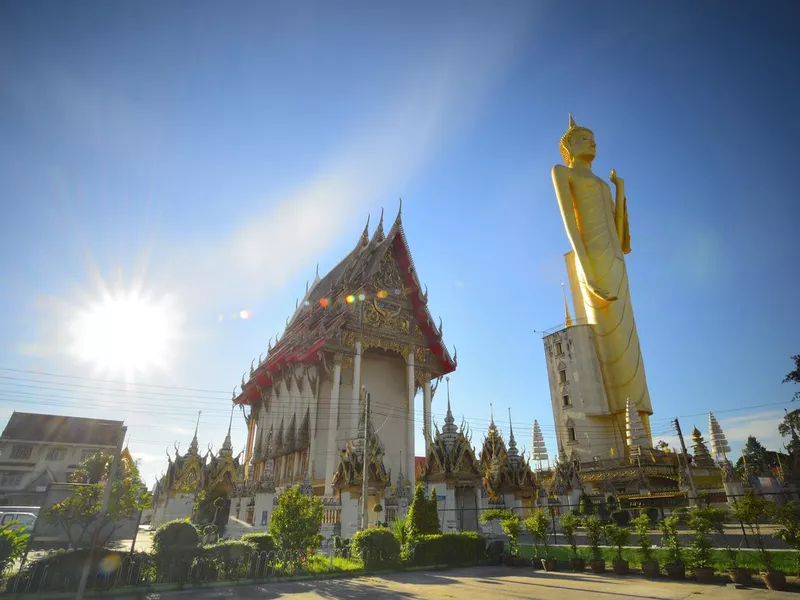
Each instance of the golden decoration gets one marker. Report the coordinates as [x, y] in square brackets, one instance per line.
[388, 275]
[394, 319]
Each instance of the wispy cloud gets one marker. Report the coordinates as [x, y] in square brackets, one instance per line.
[762, 425]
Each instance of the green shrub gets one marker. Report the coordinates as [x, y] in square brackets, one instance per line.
[423, 516]
[262, 541]
[232, 558]
[175, 546]
[12, 545]
[670, 539]
[509, 523]
[704, 521]
[61, 570]
[594, 533]
[569, 527]
[296, 522]
[538, 524]
[621, 517]
[618, 537]
[376, 547]
[641, 525]
[463, 548]
[585, 505]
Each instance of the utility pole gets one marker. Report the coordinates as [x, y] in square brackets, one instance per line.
[365, 483]
[689, 474]
[101, 515]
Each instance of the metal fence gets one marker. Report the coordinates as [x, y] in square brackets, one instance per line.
[139, 570]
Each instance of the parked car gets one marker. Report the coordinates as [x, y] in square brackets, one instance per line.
[18, 519]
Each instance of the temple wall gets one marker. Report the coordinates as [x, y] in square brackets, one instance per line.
[385, 378]
[574, 372]
[323, 429]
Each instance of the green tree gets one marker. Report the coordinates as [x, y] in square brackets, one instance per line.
[423, 517]
[754, 460]
[296, 522]
[12, 545]
[793, 376]
[81, 509]
[790, 427]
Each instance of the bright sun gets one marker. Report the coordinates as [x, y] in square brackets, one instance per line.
[125, 334]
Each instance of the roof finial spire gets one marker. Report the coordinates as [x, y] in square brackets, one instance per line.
[365, 235]
[227, 445]
[491, 412]
[568, 321]
[447, 380]
[398, 218]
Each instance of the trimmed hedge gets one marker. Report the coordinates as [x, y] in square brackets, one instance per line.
[232, 559]
[377, 547]
[463, 548]
[176, 544]
[263, 541]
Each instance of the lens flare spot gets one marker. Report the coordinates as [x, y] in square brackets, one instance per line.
[110, 563]
[382, 293]
[323, 302]
[362, 296]
[244, 314]
[349, 298]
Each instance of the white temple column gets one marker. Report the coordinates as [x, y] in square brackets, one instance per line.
[426, 410]
[330, 462]
[410, 432]
[354, 417]
[311, 393]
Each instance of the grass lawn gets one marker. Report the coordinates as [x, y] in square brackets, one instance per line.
[785, 561]
[319, 563]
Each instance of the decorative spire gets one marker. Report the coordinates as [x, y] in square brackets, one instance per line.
[636, 434]
[701, 456]
[719, 443]
[365, 234]
[398, 219]
[193, 446]
[449, 429]
[568, 321]
[513, 453]
[227, 446]
[539, 452]
[379, 235]
[316, 274]
[491, 413]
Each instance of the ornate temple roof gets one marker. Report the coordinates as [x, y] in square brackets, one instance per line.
[350, 468]
[504, 469]
[450, 456]
[321, 316]
[702, 458]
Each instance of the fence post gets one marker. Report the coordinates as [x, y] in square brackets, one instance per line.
[333, 552]
[553, 519]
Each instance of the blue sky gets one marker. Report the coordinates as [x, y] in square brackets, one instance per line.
[215, 154]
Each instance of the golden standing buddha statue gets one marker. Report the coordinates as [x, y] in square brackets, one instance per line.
[597, 228]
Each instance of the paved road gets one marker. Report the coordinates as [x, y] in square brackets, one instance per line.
[479, 583]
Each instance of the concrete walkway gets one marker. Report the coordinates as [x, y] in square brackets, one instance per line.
[478, 583]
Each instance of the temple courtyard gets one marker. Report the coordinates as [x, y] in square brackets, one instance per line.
[477, 583]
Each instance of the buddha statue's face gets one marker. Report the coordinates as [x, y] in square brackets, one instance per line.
[582, 145]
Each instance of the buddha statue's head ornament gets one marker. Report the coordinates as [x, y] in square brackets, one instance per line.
[564, 145]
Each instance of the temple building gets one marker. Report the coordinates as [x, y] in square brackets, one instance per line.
[187, 475]
[364, 327]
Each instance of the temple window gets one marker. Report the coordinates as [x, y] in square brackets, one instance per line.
[565, 400]
[571, 432]
[559, 349]
[562, 376]
[21, 452]
[56, 454]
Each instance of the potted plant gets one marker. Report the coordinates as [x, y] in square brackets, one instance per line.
[618, 537]
[786, 517]
[749, 510]
[675, 567]
[569, 527]
[641, 526]
[594, 532]
[704, 521]
[538, 524]
[510, 524]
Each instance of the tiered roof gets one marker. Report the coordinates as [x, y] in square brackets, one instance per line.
[450, 456]
[504, 469]
[322, 315]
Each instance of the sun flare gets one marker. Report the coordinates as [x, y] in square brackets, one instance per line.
[125, 334]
